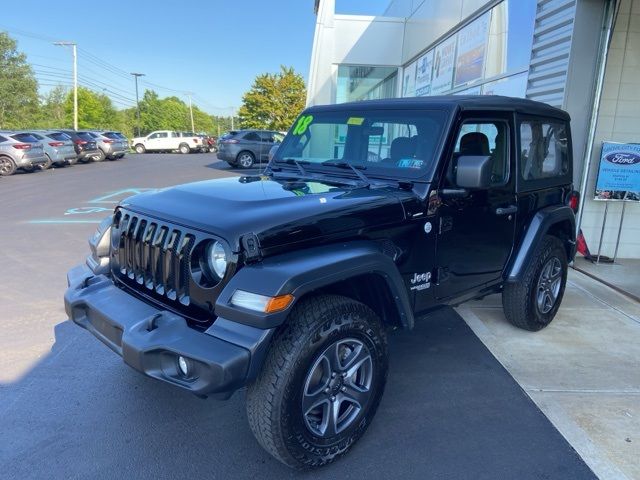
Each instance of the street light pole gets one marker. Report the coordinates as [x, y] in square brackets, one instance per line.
[193, 128]
[75, 79]
[136, 75]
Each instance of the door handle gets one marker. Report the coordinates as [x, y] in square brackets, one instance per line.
[507, 210]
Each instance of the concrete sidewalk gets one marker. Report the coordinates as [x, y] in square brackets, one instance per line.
[583, 371]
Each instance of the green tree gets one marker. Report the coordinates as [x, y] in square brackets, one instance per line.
[52, 110]
[95, 110]
[18, 87]
[274, 100]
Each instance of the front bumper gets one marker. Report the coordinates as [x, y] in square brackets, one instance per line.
[150, 339]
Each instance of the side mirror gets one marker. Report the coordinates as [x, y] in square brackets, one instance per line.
[473, 172]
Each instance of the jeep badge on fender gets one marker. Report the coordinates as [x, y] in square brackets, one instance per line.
[288, 283]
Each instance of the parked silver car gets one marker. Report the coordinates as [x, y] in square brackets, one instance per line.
[58, 147]
[19, 150]
[110, 145]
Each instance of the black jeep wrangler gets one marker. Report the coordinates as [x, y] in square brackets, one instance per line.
[369, 216]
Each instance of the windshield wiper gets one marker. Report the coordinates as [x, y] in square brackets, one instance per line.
[354, 168]
[297, 163]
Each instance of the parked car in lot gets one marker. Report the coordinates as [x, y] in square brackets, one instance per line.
[166, 141]
[288, 283]
[245, 148]
[58, 147]
[111, 146]
[20, 151]
[85, 146]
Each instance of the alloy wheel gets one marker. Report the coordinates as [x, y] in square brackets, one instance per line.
[245, 160]
[549, 285]
[337, 387]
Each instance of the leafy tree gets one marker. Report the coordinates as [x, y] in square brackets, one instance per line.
[18, 86]
[95, 110]
[274, 100]
[52, 111]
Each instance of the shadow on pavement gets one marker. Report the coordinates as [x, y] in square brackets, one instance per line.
[450, 411]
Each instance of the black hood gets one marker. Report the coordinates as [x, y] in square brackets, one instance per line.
[278, 212]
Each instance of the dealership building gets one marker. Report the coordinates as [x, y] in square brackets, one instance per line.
[580, 55]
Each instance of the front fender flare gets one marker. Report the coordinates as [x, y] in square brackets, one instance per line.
[303, 271]
[537, 228]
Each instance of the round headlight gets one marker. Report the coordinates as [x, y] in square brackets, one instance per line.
[217, 259]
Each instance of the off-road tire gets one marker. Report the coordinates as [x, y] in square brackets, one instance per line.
[519, 300]
[184, 148]
[274, 400]
[139, 148]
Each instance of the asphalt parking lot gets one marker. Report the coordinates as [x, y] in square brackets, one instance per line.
[69, 408]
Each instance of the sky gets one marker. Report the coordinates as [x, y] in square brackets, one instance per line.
[211, 48]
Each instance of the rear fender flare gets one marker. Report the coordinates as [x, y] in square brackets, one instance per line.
[541, 223]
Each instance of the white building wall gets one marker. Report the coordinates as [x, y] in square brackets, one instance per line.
[361, 40]
[618, 121]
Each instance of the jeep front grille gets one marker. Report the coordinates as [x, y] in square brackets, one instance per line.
[154, 258]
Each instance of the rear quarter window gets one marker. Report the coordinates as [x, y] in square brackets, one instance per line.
[85, 136]
[61, 137]
[545, 151]
[3, 139]
[25, 137]
[111, 135]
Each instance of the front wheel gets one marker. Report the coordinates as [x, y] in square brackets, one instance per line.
[245, 160]
[184, 149]
[533, 303]
[321, 383]
[139, 148]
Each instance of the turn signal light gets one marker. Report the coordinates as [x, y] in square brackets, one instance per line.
[278, 303]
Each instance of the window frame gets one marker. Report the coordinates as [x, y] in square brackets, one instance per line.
[524, 185]
[507, 122]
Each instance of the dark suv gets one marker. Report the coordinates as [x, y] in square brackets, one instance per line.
[85, 146]
[370, 216]
[245, 148]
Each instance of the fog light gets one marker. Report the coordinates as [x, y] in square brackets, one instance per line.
[183, 366]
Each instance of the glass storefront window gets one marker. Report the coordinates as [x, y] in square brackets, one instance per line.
[495, 44]
[365, 83]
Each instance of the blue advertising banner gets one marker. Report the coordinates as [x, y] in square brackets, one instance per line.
[619, 173]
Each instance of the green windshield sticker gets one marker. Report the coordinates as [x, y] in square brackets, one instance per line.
[303, 123]
[355, 121]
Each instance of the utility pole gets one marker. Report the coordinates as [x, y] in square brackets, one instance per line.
[75, 79]
[136, 75]
[232, 112]
[193, 128]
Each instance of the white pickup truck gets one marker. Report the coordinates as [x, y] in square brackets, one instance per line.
[167, 141]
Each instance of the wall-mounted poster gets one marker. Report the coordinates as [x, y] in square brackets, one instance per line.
[619, 173]
[472, 44]
[409, 81]
[423, 74]
[443, 63]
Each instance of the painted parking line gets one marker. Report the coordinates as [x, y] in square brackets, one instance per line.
[89, 214]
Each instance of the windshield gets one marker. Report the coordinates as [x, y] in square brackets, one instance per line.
[388, 142]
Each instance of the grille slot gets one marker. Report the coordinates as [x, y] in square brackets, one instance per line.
[155, 256]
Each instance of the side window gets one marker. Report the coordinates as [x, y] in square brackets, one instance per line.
[252, 137]
[2, 139]
[152, 136]
[544, 149]
[174, 135]
[266, 137]
[162, 135]
[490, 138]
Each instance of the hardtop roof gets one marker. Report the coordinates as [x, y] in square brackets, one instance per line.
[450, 103]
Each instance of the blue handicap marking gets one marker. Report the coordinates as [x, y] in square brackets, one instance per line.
[85, 210]
[86, 214]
